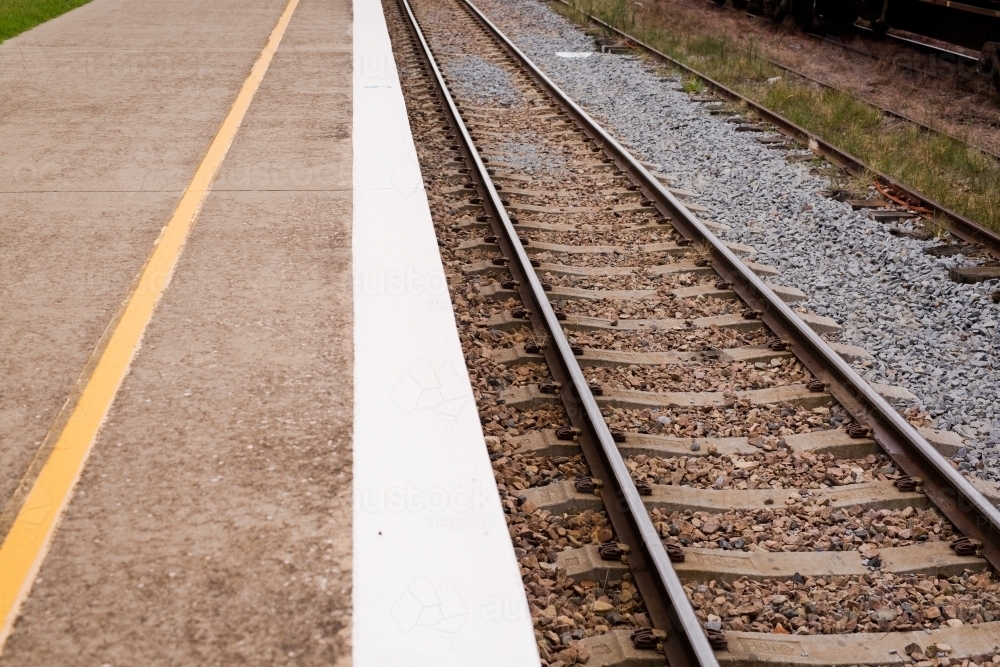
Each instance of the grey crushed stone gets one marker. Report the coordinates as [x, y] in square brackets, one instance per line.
[480, 80]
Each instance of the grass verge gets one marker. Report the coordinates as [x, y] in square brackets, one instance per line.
[957, 175]
[16, 16]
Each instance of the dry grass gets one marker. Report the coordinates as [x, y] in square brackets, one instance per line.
[949, 171]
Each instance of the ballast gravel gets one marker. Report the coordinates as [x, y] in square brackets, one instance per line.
[480, 80]
[937, 338]
[875, 602]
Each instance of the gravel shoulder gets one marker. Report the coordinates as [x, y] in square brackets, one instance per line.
[934, 337]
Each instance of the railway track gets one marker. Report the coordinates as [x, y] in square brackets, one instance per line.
[959, 226]
[691, 474]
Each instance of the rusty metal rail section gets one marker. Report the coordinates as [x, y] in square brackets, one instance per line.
[959, 225]
[661, 588]
[971, 513]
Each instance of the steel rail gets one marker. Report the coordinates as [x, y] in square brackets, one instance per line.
[959, 225]
[972, 514]
[688, 644]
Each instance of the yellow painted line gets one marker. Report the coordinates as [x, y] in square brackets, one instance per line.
[28, 540]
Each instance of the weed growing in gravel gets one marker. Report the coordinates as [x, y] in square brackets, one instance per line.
[693, 85]
[16, 16]
[947, 170]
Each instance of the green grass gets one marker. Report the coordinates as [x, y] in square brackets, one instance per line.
[952, 172]
[16, 16]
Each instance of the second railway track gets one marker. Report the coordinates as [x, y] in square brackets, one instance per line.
[689, 474]
[959, 225]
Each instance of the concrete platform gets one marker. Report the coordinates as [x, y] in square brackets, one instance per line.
[288, 467]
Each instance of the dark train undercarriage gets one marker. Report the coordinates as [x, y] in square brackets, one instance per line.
[973, 24]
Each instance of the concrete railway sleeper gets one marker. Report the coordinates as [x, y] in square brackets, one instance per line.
[681, 484]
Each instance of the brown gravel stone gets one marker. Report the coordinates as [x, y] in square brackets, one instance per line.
[765, 425]
[627, 236]
[778, 469]
[702, 375]
[658, 307]
[684, 340]
[634, 281]
[875, 602]
[803, 528]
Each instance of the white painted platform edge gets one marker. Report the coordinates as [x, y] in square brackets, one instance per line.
[436, 582]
